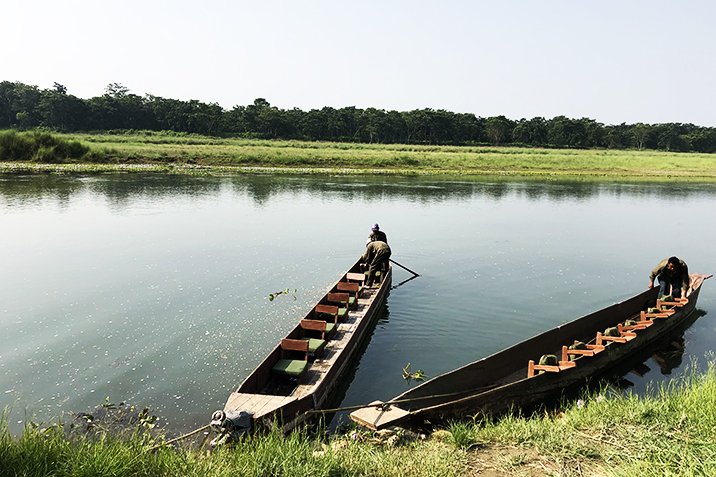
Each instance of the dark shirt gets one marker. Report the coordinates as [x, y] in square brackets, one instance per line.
[378, 236]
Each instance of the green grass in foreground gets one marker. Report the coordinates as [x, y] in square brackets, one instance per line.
[297, 156]
[670, 433]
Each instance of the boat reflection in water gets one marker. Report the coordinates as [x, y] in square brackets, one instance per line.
[666, 354]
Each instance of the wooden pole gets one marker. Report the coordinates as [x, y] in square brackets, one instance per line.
[403, 266]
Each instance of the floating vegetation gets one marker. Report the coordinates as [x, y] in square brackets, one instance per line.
[284, 292]
[409, 376]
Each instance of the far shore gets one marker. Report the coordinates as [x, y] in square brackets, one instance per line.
[9, 168]
[200, 155]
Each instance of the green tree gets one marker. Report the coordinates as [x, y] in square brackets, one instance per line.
[61, 111]
[532, 132]
[373, 124]
[116, 90]
[640, 132]
[498, 129]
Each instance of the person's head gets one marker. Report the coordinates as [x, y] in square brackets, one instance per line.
[375, 228]
[673, 263]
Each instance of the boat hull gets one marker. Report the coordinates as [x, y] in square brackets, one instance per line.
[500, 382]
[323, 377]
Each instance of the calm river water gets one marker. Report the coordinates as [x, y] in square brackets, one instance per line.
[153, 289]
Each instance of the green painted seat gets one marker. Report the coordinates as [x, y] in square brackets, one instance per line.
[292, 368]
[315, 345]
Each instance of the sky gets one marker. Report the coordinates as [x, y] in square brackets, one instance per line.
[625, 61]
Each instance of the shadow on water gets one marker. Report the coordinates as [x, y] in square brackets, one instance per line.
[120, 189]
[403, 282]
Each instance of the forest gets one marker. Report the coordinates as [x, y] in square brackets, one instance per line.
[26, 107]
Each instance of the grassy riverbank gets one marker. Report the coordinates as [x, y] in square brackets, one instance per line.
[164, 152]
[671, 433]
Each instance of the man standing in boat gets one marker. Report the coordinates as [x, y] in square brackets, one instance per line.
[376, 255]
[672, 273]
[376, 234]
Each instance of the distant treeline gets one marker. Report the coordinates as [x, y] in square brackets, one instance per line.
[27, 107]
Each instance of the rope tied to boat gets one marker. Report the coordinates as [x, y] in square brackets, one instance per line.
[385, 406]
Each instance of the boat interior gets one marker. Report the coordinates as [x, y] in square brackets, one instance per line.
[300, 359]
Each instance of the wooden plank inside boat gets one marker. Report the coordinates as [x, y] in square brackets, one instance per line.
[259, 404]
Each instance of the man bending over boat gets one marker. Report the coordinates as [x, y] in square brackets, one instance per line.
[376, 255]
[672, 273]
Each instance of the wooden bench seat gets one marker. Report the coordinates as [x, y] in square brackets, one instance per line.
[292, 368]
[316, 345]
[577, 352]
[327, 313]
[356, 277]
[628, 331]
[353, 289]
[563, 365]
[343, 300]
[323, 327]
[678, 302]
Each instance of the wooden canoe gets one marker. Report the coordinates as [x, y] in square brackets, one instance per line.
[274, 399]
[500, 382]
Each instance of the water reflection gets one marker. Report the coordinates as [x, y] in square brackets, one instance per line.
[666, 355]
[121, 189]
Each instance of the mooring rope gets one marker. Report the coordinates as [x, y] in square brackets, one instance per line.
[180, 437]
[400, 401]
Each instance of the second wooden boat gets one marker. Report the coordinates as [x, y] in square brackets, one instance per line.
[511, 379]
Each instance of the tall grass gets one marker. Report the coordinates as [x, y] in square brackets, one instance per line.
[41, 452]
[42, 147]
[670, 432]
[394, 158]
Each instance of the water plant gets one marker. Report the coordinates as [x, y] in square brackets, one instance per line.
[282, 292]
[409, 376]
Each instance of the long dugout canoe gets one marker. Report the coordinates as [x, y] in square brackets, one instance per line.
[502, 381]
[270, 399]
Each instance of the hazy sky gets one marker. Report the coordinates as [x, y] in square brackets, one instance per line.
[614, 61]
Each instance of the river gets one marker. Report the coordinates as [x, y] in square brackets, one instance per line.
[153, 289]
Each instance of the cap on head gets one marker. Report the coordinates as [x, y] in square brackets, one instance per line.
[375, 228]
[674, 261]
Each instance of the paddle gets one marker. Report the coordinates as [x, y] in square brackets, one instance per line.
[403, 266]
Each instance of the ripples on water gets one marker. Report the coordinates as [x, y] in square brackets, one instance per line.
[154, 289]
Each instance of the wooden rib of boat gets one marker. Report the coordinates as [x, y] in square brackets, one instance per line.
[510, 379]
[285, 400]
